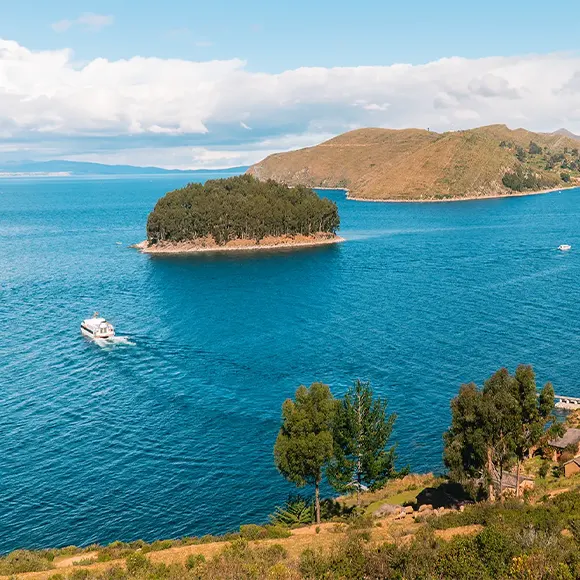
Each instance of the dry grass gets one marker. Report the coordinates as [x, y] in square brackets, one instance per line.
[410, 164]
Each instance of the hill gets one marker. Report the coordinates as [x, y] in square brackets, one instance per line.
[87, 168]
[416, 165]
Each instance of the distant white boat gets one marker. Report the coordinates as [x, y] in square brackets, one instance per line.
[97, 327]
[564, 247]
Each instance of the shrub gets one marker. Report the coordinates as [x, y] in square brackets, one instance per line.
[194, 561]
[21, 561]
[252, 532]
[136, 562]
[79, 575]
[296, 511]
[543, 470]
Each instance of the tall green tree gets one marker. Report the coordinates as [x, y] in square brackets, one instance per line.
[500, 421]
[535, 414]
[304, 444]
[465, 453]
[496, 427]
[361, 433]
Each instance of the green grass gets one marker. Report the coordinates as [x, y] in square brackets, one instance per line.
[402, 498]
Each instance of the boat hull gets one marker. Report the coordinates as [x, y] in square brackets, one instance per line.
[86, 332]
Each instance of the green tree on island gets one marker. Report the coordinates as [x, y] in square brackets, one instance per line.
[304, 444]
[361, 432]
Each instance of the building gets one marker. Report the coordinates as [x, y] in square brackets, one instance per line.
[572, 467]
[570, 441]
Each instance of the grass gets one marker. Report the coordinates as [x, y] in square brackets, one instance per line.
[402, 498]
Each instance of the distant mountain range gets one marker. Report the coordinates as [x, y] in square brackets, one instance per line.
[566, 133]
[419, 165]
[85, 168]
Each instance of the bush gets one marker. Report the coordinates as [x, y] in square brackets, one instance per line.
[136, 562]
[297, 510]
[565, 177]
[543, 470]
[21, 561]
[194, 561]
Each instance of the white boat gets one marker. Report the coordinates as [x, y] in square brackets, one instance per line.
[97, 327]
[564, 247]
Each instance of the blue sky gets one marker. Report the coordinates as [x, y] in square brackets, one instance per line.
[191, 84]
[275, 36]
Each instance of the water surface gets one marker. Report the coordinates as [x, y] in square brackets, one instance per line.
[173, 435]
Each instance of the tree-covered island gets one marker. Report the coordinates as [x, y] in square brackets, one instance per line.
[239, 213]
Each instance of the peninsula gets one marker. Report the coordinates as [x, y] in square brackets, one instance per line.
[421, 165]
[239, 213]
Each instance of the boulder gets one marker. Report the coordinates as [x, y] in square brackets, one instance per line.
[409, 509]
[387, 509]
[425, 507]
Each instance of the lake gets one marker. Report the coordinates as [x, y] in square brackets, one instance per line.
[171, 433]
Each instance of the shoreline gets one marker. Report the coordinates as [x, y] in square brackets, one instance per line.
[465, 198]
[190, 248]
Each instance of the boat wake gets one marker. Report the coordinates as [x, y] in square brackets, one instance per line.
[113, 341]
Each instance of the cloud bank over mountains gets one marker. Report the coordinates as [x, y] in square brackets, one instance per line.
[199, 114]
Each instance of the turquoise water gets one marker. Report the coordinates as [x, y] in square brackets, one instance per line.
[171, 433]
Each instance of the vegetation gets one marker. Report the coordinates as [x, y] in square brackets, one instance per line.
[304, 443]
[361, 432]
[496, 427]
[421, 165]
[439, 535]
[239, 208]
[346, 439]
[487, 541]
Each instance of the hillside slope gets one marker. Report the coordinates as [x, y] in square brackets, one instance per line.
[414, 164]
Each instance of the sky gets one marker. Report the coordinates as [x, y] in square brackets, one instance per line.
[189, 84]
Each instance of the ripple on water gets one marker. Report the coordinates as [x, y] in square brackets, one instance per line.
[172, 433]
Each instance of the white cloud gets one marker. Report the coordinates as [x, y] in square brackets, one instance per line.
[46, 95]
[215, 157]
[88, 21]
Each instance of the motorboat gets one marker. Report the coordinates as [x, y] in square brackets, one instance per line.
[564, 247]
[97, 327]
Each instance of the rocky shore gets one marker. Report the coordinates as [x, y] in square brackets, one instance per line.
[209, 245]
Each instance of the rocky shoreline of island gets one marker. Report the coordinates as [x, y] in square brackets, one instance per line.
[464, 198]
[209, 245]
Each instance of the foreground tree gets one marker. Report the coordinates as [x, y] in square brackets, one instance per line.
[465, 452]
[493, 428]
[361, 432]
[535, 414]
[304, 444]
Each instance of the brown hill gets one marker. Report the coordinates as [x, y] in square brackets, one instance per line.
[414, 164]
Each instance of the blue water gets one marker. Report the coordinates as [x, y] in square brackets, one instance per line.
[172, 433]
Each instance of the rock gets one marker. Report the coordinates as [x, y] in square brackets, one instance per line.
[409, 509]
[400, 516]
[425, 507]
[461, 508]
[387, 509]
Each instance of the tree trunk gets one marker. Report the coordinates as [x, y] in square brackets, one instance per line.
[317, 500]
[490, 475]
[518, 479]
[501, 482]
[358, 489]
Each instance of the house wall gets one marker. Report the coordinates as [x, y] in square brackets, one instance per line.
[570, 469]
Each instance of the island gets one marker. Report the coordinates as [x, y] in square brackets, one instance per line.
[239, 213]
[422, 165]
